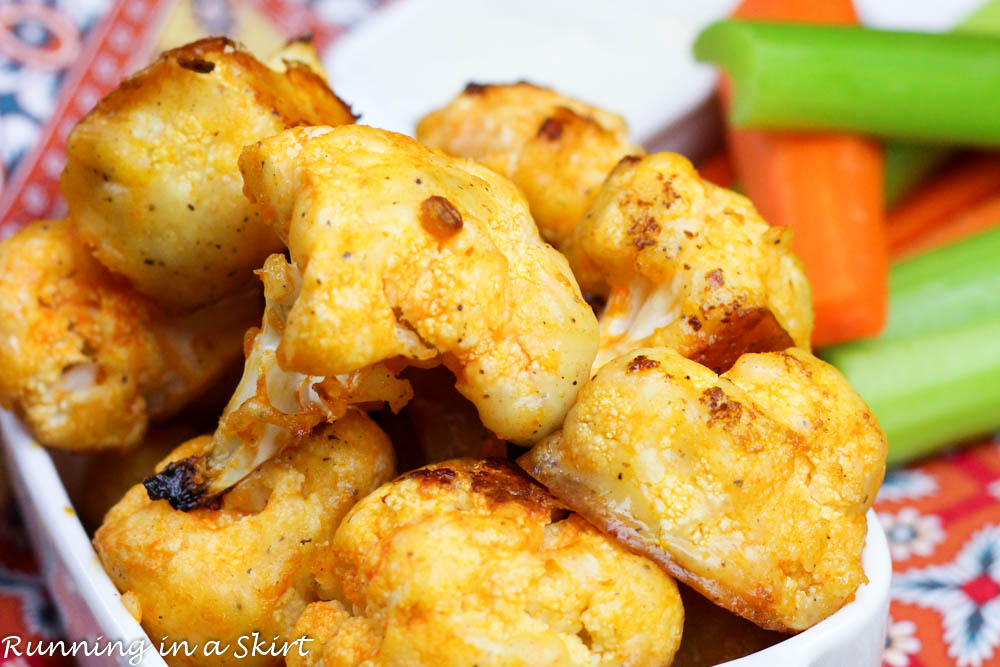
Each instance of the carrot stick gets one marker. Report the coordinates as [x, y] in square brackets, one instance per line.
[982, 216]
[936, 205]
[828, 188]
[801, 11]
[719, 170]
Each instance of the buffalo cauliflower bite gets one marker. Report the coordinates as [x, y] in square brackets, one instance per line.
[557, 150]
[691, 266]
[751, 486]
[151, 177]
[272, 407]
[85, 360]
[223, 573]
[471, 562]
[407, 253]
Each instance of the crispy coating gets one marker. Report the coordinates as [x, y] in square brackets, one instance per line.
[151, 177]
[557, 150]
[751, 487]
[406, 252]
[691, 266]
[471, 562]
[219, 574]
[87, 361]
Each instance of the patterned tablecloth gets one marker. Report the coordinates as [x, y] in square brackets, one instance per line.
[58, 57]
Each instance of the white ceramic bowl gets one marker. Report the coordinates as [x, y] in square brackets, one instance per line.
[92, 608]
[393, 80]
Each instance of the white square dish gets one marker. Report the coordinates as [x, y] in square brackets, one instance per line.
[370, 68]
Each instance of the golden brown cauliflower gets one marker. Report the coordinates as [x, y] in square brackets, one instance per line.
[85, 360]
[406, 252]
[691, 266]
[751, 486]
[469, 562]
[151, 177]
[271, 407]
[557, 150]
[221, 574]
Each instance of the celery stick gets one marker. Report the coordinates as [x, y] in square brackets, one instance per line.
[983, 21]
[921, 87]
[933, 376]
[947, 286]
[930, 389]
[906, 165]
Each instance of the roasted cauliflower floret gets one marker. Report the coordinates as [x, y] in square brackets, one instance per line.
[151, 177]
[224, 573]
[469, 562]
[405, 252]
[691, 266]
[85, 360]
[271, 407]
[557, 150]
[751, 486]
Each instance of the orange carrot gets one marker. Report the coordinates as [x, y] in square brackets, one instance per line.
[828, 188]
[982, 216]
[937, 204]
[719, 170]
[802, 11]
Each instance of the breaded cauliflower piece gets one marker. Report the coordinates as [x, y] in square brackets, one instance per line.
[751, 487]
[406, 252]
[691, 266]
[151, 177]
[85, 360]
[470, 562]
[557, 150]
[221, 574]
[271, 407]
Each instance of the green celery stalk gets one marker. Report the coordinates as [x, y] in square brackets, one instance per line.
[983, 21]
[933, 376]
[930, 389]
[953, 284]
[916, 86]
[906, 165]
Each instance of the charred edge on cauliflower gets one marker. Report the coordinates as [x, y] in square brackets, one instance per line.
[498, 480]
[551, 129]
[440, 217]
[182, 485]
[199, 65]
[749, 330]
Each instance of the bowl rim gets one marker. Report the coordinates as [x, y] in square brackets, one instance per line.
[870, 605]
[41, 493]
